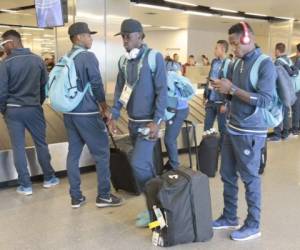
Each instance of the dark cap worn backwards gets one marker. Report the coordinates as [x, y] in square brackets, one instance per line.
[130, 26]
[79, 28]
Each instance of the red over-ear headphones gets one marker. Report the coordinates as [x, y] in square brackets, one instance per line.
[245, 38]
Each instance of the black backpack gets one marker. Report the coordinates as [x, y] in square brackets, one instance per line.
[182, 197]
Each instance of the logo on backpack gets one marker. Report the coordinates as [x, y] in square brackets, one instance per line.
[62, 89]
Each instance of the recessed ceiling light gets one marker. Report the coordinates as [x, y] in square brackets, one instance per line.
[233, 17]
[198, 13]
[287, 18]
[152, 6]
[5, 26]
[48, 35]
[221, 9]
[146, 25]
[169, 27]
[31, 28]
[8, 11]
[181, 2]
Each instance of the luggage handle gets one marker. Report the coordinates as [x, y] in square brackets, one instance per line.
[187, 122]
[111, 136]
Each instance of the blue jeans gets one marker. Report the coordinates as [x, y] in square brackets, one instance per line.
[89, 130]
[173, 128]
[142, 155]
[212, 111]
[32, 119]
[242, 154]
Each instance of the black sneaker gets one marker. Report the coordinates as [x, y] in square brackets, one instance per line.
[113, 201]
[77, 203]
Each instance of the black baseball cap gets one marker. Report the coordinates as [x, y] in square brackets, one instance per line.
[130, 26]
[79, 28]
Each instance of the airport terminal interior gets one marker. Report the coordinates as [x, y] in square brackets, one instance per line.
[45, 219]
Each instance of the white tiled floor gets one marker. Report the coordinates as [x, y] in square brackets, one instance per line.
[46, 221]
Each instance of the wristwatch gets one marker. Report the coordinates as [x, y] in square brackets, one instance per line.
[233, 89]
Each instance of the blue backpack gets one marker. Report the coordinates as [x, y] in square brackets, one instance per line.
[272, 115]
[179, 87]
[61, 88]
[295, 78]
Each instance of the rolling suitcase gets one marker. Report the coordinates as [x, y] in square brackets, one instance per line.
[122, 174]
[208, 154]
[180, 205]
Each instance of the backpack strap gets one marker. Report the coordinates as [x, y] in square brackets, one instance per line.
[152, 60]
[255, 69]
[225, 67]
[236, 62]
[77, 51]
[122, 63]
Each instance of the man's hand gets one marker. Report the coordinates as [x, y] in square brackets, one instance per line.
[223, 109]
[112, 126]
[223, 86]
[104, 111]
[154, 130]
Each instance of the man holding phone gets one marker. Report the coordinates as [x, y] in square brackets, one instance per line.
[246, 132]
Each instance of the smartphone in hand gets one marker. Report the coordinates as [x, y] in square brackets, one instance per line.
[210, 83]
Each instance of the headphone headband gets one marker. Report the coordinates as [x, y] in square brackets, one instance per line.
[245, 38]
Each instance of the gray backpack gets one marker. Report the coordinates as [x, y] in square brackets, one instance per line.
[285, 87]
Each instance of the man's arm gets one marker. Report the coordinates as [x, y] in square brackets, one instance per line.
[264, 91]
[94, 77]
[160, 88]
[3, 87]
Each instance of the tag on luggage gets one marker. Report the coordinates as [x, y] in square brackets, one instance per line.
[155, 238]
[125, 96]
[159, 216]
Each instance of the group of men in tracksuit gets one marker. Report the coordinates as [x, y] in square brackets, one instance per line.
[283, 131]
[144, 95]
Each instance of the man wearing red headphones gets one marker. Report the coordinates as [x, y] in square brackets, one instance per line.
[246, 132]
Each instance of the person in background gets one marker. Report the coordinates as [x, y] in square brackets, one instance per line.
[191, 62]
[282, 131]
[215, 103]
[297, 62]
[86, 123]
[296, 106]
[205, 60]
[174, 64]
[246, 133]
[22, 93]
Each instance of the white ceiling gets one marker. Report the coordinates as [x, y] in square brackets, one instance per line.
[181, 20]
[288, 8]
[278, 8]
